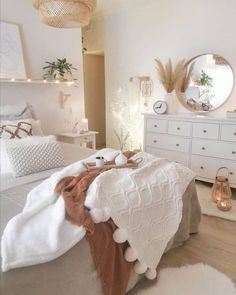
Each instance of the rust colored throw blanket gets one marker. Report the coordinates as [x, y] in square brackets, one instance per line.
[113, 269]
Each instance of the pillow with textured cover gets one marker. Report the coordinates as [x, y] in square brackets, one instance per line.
[36, 128]
[33, 154]
[16, 129]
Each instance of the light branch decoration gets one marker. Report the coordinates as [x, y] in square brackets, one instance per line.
[128, 120]
[65, 13]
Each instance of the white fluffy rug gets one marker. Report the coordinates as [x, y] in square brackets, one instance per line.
[198, 279]
[208, 207]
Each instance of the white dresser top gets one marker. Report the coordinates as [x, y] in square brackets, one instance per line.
[193, 117]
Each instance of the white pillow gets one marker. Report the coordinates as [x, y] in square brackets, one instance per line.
[36, 125]
[16, 129]
[37, 129]
[5, 167]
[33, 154]
[16, 111]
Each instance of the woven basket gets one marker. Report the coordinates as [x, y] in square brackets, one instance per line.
[65, 13]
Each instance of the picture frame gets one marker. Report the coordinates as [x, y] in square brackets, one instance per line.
[11, 52]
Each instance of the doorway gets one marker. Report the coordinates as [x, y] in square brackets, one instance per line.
[94, 93]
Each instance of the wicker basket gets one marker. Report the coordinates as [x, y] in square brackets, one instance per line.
[65, 13]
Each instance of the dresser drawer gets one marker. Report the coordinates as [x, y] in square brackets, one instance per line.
[209, 131]
[156, 125]
[85, 138]
[171, 156]
[179, 128]
[207, 167]
[168, 142]
[228, 132]
[215, 149]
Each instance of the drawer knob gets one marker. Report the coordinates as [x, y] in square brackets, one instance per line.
[231, 173]
[235, 133]
[203, 148]
[154, 141]
[233, 152]
[155, 126]
[178, 128]
[85, 138]
[177, 144]
[202, 167]
[204, 131]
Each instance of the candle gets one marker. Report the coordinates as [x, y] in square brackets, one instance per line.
[84, 125]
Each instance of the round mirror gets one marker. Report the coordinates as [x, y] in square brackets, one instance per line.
[206, 83]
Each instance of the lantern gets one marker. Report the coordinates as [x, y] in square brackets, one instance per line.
[224, 204]
[65, 13]
[221, 192]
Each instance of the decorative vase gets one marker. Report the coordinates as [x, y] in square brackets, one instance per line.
[121, 159]
[171, 101]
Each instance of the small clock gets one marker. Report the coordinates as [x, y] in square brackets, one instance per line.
[160, 107]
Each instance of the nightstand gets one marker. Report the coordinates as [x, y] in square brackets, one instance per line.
[77, 138]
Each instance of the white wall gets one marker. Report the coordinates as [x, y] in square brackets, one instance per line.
[94, 95]
[43, 43]
[161, 29]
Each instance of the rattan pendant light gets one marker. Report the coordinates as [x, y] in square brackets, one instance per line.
[65, 13]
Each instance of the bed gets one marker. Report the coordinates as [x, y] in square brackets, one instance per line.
[74, 272]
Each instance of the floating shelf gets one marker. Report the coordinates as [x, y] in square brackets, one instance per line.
[36, 81]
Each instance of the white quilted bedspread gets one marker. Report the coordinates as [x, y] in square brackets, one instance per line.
[145, 204]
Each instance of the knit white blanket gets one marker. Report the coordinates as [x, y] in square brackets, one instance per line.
[145, 204]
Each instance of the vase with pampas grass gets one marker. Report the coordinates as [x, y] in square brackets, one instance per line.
[184, 80]
[168, 76]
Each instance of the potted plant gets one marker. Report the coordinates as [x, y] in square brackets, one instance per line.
[59, 70]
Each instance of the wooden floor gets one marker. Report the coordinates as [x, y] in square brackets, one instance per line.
[215, 245]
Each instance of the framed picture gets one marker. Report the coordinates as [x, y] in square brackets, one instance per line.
[11, 53]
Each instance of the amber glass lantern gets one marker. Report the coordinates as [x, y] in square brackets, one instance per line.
[224, 204]
[221, 192]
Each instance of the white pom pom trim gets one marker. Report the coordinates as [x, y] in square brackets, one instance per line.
[97, 215]
[140, 267]
[120, 235]
[131, 254]
[151, 274]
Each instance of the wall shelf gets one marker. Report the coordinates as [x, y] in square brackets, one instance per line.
[36, 81]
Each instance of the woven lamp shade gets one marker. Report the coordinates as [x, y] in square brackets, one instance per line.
[65, 13]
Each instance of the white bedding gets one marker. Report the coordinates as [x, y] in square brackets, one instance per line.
[71, 153]
[42, 233]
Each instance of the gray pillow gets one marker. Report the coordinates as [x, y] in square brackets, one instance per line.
[34, 157]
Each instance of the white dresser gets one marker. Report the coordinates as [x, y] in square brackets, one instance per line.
[202, 143]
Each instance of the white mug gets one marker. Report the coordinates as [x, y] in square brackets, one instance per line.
[99, 162]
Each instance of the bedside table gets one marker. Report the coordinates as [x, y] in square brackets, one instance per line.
[77, 138]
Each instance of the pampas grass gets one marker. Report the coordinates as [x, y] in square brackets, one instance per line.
[167, 75]
[185, 77]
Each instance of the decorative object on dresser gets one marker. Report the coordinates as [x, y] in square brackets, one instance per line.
[168, 78]
[65, 13]
[160, 107]
[81, 139]
[203, 143]
[209, 83]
